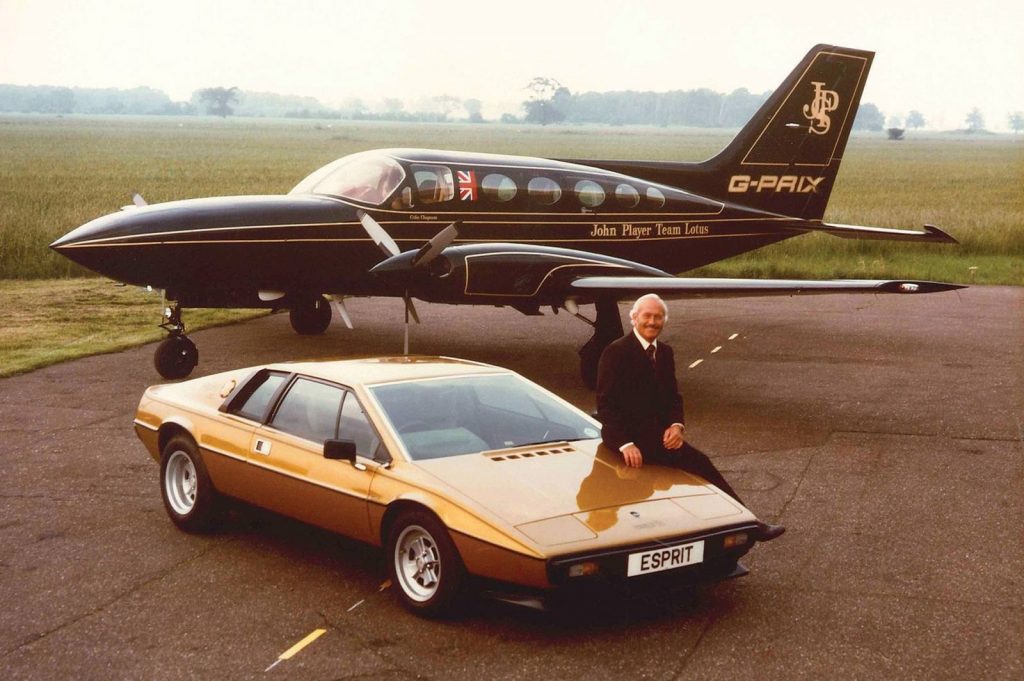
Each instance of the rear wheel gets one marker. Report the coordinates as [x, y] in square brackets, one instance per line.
[424, 564]
[310, 316]
[189, 498]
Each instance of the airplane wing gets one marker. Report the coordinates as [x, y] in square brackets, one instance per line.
[930, 234]
[527, 275]
[699, 287]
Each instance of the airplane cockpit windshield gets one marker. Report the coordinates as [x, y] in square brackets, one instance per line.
[366, 177]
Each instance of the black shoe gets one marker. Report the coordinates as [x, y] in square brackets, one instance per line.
[766, 532]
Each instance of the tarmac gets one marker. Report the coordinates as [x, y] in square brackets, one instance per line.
[885, 432]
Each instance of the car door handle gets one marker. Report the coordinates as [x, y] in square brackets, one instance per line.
[261, 447]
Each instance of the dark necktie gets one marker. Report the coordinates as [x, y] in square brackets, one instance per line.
[650, 356]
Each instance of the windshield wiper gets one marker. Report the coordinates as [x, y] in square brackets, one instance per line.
[552, 441]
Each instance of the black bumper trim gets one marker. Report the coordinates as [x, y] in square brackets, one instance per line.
[718, 563]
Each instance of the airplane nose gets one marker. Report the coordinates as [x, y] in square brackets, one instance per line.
[69, 239]
[88, 245]
[94, 232]
[176, 243]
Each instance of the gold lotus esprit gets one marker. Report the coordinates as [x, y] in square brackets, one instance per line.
[457, 468]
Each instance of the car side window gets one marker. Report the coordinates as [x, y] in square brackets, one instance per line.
[253, 401]
[309, 410]
[356, 426]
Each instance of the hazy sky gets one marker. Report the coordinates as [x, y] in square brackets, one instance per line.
[939, 58]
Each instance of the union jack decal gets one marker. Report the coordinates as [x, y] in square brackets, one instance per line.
[467, 184]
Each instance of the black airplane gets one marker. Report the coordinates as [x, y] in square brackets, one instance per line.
[483, 229]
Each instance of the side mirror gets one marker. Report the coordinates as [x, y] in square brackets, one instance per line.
[340, 450]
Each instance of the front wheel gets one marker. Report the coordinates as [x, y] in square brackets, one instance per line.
[189, 497]
[175, 357]
[424, 564]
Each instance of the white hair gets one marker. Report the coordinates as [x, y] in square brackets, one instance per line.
[641, 300]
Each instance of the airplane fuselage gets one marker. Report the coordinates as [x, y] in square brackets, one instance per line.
[223, 251]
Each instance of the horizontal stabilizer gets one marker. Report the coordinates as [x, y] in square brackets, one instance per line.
[699, 287]
[931, 233]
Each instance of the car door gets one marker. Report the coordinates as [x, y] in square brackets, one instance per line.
[291, 474]
[225, 448]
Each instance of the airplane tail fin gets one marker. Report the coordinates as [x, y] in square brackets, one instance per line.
[785, 160]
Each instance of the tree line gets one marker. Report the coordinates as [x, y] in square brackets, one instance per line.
[549, 102]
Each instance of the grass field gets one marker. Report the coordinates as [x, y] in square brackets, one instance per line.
[57, 173]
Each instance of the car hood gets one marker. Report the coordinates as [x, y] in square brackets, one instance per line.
[569, 492]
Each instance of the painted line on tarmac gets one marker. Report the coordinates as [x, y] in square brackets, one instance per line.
[291, 652]
[713, 351]
[317, 633]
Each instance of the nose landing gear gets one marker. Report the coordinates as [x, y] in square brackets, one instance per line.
[176, 356]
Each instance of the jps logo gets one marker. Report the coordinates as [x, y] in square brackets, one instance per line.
[791, 184]
[824, 103]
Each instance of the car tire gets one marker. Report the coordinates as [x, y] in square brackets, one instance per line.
[311, 316]
[424, 564]
[175, 357]
[189, 498]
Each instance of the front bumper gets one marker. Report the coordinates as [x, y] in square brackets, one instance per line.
[719, 560]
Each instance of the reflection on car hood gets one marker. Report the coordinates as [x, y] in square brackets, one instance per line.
[530, 484]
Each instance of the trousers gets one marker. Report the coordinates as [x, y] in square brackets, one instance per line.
[691, 460]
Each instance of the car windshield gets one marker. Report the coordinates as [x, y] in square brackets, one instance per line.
[367, 177]
[438, 418]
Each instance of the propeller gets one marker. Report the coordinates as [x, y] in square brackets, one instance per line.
[137, 202]
[423, 257]
[378, 233]
[433, 248]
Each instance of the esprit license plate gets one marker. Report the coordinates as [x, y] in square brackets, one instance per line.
[667, 558]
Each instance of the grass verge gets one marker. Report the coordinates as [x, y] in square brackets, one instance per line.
[47, 321]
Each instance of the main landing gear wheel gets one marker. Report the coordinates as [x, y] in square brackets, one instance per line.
[607, 328]
[189, 497]
[424, 564]
[310, 316]
[176, 357]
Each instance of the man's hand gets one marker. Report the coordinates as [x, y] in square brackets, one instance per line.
[673, 437]
[632, 456]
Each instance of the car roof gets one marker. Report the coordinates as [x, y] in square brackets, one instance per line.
[374, 370]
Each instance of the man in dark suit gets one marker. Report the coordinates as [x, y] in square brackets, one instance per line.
[640, 407]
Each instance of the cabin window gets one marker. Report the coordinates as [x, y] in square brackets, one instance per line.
[626, 196]
[656, 198]
[589, 193]
[434, 184]
[497, 187]
[544, 190]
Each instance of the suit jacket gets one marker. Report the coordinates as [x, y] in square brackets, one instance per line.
[635, 402]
